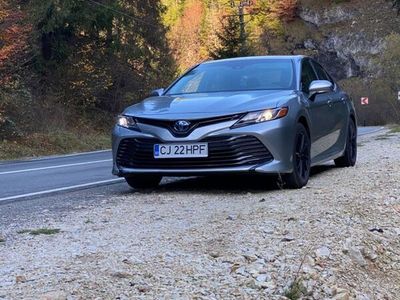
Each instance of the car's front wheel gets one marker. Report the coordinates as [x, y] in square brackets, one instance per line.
[349, 157]
[143, 181]
[301, 160]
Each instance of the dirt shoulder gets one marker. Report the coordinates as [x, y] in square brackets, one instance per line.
[337, 238]
[53, 143]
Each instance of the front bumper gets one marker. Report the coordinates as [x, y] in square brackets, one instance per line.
[277, 136]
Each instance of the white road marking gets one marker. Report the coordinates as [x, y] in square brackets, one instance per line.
[67, 155]
[68, 188]
[39, 158]
[56, 167]
[371, 131]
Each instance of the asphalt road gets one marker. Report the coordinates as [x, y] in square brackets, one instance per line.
[28, 178]
[61, 174]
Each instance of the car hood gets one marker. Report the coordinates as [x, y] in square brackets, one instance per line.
[206, 105]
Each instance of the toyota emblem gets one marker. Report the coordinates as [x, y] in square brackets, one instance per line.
[182, 126]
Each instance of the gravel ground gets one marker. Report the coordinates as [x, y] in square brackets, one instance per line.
[337, 238]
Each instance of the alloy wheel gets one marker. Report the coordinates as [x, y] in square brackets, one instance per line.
[352, 142]
[302, 156]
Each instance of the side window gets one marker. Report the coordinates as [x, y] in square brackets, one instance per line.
[330, 78]
[307, 75]
[320, 72]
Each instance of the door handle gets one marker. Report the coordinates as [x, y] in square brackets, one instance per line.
[330, 102]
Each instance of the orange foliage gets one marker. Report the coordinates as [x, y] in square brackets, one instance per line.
[286, 10]
[13, 40]
[185, 35]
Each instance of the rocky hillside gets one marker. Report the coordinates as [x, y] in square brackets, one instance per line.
[348, 37]
[358, 41]
[356, 44]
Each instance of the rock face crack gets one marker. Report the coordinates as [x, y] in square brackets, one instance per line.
[327, 16]
[348, 46]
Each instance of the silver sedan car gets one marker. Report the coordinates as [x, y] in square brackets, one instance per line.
[265, 115]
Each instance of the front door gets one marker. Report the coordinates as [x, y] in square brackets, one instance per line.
[338, 112]
[322, 121]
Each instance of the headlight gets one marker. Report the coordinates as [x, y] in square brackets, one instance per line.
[262, 116]
[126, 122]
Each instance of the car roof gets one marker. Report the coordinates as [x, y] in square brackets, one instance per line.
[265, 57]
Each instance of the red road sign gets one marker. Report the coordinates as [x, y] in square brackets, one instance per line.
[364, 101]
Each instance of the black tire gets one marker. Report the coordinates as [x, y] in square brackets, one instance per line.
[349, 157]
[301, 160]
[143, 181]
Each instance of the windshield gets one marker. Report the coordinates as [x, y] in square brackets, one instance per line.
[236, 75]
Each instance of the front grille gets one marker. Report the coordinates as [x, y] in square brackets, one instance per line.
[169, 124]
[223, 151]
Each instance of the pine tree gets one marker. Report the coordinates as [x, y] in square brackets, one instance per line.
[232, 40]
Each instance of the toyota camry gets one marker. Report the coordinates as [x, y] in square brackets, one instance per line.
[251, 115]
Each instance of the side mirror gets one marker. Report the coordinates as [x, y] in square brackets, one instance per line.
[157, 93]
[320, 87]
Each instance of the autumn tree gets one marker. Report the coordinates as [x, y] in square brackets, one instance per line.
[101, 54]
[14, 56]
[285, 10]
[185, 36]
[72, 61]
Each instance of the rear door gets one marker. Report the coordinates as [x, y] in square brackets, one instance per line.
[319, 110]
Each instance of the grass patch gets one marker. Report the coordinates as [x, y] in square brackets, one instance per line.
[59, 142]
[296, 290]
[45, 231]
[381, 138]
[384, 137]
[394, 129]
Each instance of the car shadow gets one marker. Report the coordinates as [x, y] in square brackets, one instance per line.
[318, 170]
[228, 183]
[222, 184]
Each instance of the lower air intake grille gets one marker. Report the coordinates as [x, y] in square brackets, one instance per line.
[223, 151]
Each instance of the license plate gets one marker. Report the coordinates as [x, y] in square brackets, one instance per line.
[180, 150]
